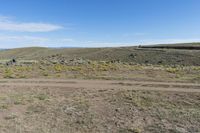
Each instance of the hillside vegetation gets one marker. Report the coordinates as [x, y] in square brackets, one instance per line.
[141, 55]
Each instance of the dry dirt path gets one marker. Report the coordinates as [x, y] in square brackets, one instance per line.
[101, 84]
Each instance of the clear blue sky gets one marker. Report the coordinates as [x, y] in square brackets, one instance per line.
[97, 23]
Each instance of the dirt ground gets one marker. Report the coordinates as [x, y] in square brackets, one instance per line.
[104, 106]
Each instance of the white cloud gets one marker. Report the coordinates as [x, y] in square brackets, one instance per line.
[22, 41]
[9, 41]
[9, 25]
[136, 42]
[29, 41]
[105, 44]
[67, 40]
[4, 18]
[21, 38]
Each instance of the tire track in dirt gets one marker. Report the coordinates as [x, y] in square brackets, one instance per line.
[102, 84]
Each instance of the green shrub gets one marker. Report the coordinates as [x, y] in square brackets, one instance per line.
[172, 70]
[8, 74]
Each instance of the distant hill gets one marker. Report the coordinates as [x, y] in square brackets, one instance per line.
[124, 54]
[186, 46]
[1, 49]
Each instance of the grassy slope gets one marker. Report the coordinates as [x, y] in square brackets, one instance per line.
[125, 54]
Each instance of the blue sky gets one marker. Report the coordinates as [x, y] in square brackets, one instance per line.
[97, 23]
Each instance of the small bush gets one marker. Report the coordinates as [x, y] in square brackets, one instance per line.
[8, 74]
[58, 68]
[172, 70]
[42, 97]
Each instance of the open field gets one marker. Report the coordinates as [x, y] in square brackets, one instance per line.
[99, 97]
[45, 105]
[100, 66]
[119, 90]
